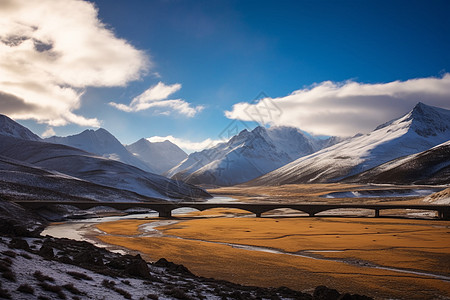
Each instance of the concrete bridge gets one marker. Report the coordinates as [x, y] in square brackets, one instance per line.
[165, 208]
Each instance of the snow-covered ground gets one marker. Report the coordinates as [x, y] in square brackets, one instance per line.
[381, 193]
[442, 197]
[25, 264]
[55, 274]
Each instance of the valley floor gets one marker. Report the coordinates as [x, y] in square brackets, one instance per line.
[385, 258]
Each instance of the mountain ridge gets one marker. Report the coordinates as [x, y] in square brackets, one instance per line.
[420, 129]
[245, 156]
[8, 127]
[161, 156]
[101, 142]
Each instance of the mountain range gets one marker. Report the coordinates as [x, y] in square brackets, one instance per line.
[413, 149]
[36, 163]
[247, 155]
[161, 156]
[151, 157]
[419, 130]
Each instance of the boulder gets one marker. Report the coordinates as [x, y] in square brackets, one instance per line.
[323, 293]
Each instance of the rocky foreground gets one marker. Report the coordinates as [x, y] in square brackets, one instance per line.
[35, 267]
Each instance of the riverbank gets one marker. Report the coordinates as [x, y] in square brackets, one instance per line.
[37, 267]
[385, 258]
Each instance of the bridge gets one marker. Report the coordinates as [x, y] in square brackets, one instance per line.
[165, 208]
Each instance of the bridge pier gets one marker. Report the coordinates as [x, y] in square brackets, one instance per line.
[311, 214]
[444, 215]
[258, 214]
[377, 213]
[165, 213]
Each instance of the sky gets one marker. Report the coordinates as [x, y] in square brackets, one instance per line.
[197, 72]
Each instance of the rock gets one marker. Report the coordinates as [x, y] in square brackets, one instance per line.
[16, 243]
[117, 263]
[323, 293]
[289, 293]
[138, 267]
[66, 260]
[162, 263]
[347, 296]
[88, 258]
[46, 251]
[180, 269]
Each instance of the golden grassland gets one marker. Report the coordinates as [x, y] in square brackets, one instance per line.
[417, 245]
[305, 193]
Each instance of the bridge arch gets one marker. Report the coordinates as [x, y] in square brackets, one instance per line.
[357, 212]
[282, 208]
[169, 211]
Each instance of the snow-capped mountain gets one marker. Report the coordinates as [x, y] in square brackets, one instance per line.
[160, 156]
[83, 165]
[29, 163]
[102, 143]
[19, 180]
[428, 167]
[421, 129]
[9, 127]
[245, 156]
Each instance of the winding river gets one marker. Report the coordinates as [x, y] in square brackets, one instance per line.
[85, 230]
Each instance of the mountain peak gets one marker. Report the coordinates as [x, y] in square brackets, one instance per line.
[421, 109]
[425, 120]
[161, 156]
[428, 120]
[9, 127]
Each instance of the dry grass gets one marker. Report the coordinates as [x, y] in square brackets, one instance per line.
[123, 227]
[415, 244]
[420, 245]
[307, 193]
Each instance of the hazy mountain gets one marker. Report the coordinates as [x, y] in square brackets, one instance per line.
[421, 129]
[9, 127]
[247, 155]
[102, 143]
[160, 156]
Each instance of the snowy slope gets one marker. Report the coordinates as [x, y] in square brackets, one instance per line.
[98, 170]
[244, 157]
[422, 128]
[428, 167]
[441, 197]
[19, 180]
[160, 156]
[102, 143]
[9, 127]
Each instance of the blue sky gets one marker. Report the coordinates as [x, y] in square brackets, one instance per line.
[227, 52]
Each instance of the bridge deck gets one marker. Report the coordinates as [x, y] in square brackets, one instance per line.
[165, 208]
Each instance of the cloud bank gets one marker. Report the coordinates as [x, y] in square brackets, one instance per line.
[347, 108]
[186, 145]
[156, 97]
[50, 51]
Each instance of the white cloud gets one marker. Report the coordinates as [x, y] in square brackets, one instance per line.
[156, 97]
[48, 132]
[344, 109]
[184, 144]
[51, 50]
